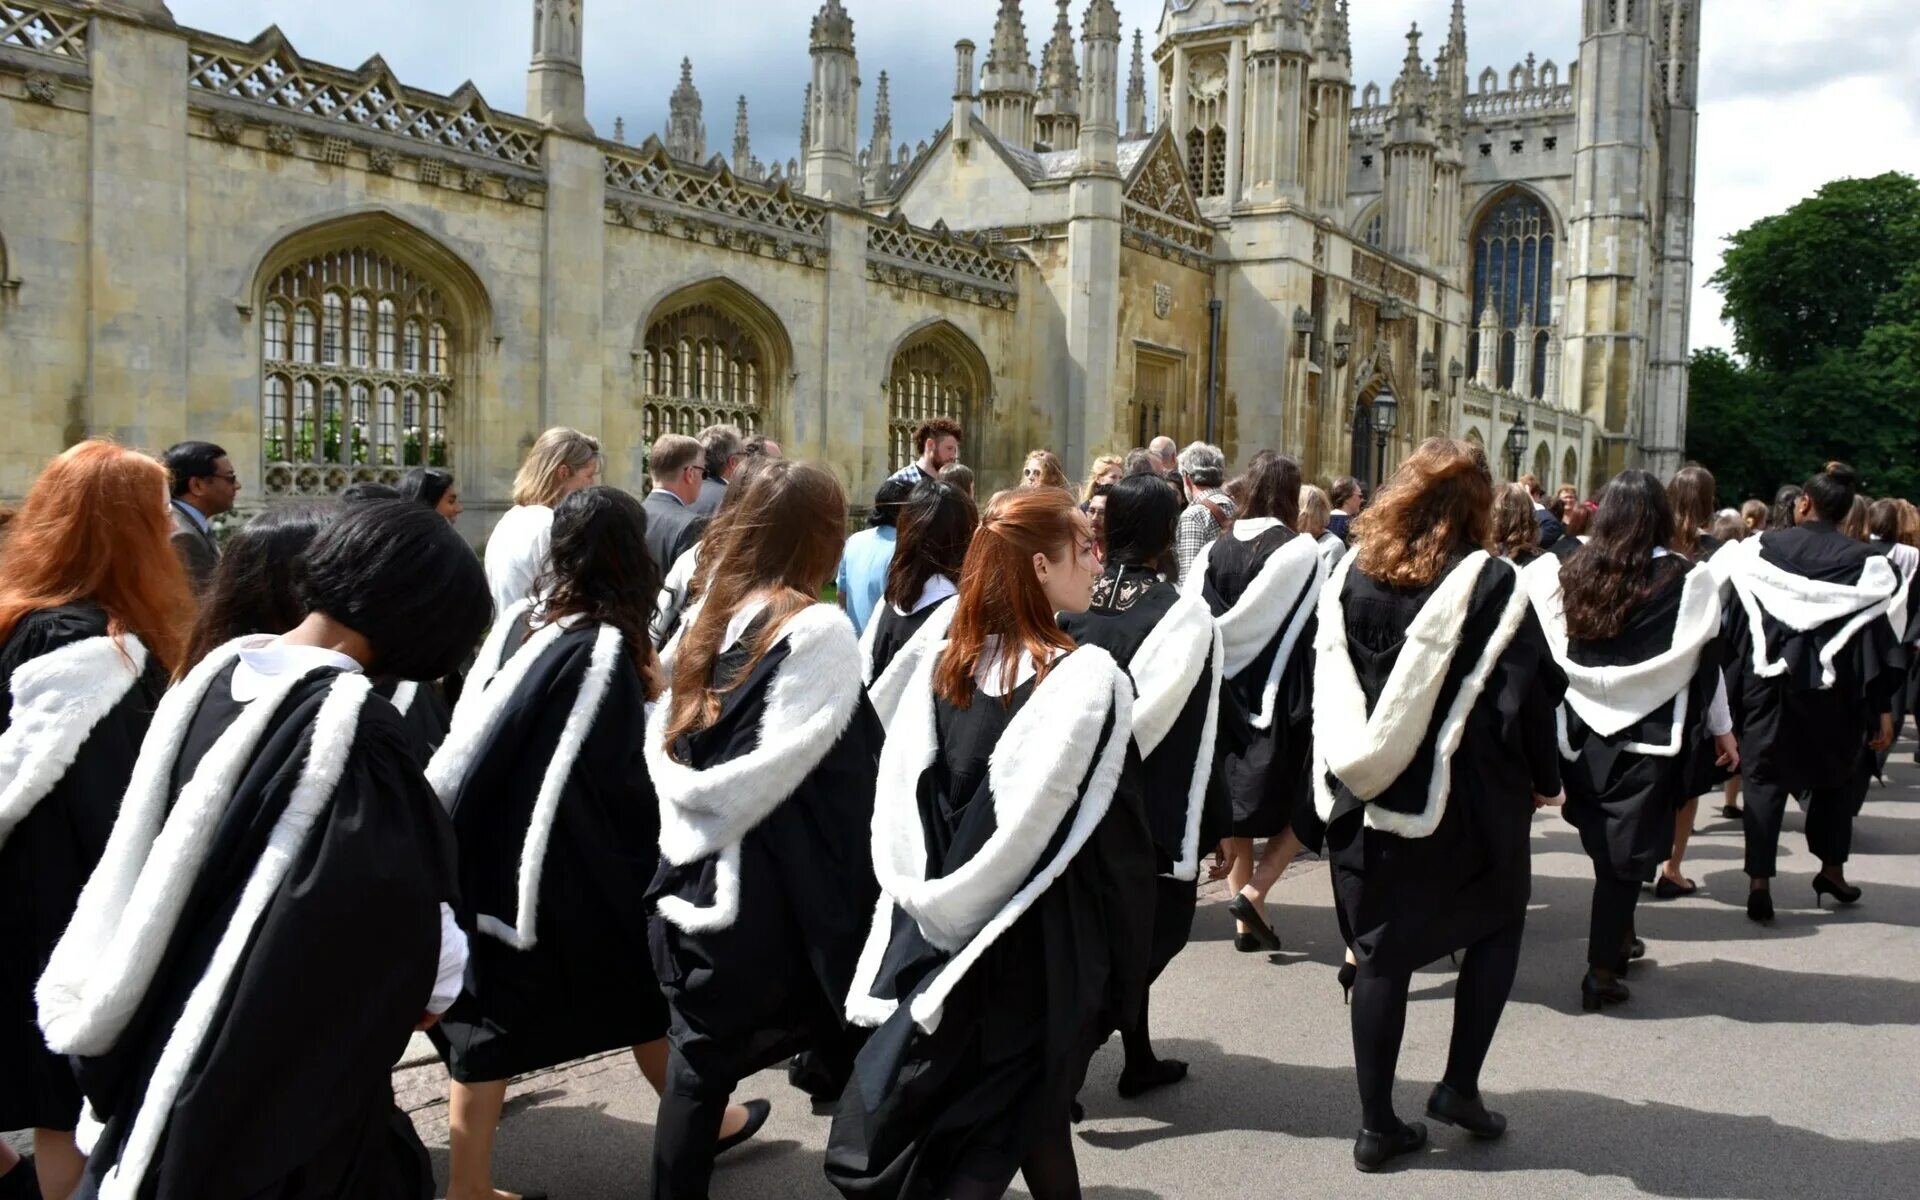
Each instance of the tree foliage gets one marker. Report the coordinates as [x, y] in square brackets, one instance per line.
[1824, 300]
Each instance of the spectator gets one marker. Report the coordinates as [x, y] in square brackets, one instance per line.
[1347, 500]
[1315, 512]
[1043, 469]
[678, 465]
[1551, 528]
[1107, 469]
[761, 446]
[959, 475]
[1209, 511]
[725, 448]
[938, 440]
[864, 563]
[1753, 514]
[1139, 462]
[1165, 455]
[204, 486]
[434, 488]
[364, 493]
[561, 462]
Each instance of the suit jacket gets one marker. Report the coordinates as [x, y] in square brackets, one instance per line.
[1551, 530]
[199, 552]
[672, 527]
[712, 492]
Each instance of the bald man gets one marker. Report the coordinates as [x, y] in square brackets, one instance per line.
[1166, 455]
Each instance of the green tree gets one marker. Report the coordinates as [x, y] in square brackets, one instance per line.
[1734, 427]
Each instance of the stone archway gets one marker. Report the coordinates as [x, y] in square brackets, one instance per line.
[712, 353]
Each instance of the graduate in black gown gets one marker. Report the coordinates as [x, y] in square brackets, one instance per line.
[1434, 701]
[269, 920]
[934, 527]
[1015, 928]
[545, 779]
[1887, 527]
[93, 617]
[762, 753]
[1171, 647]
[1262, 580]
[1635, 628]
[1812, 664]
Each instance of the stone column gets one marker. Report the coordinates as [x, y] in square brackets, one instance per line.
[572, 381]
[1236, 118]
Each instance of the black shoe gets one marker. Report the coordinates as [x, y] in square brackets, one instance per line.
[757, 1113]
[1156, 1074]
[1637, 950]
[1348, 972]
[1076, 1112]
[1760, 905]
[1822, 886]
[1246, 943]
[1594, 994]
[1470, 1113]
[1371, 1150]
[1731, 812]
[20, 1183]
[1244, 912]
[1667, 889]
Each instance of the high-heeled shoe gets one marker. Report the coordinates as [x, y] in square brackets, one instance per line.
[1137, 1081]
[1595, 993]
[1243, 911]
[1451, 1107]
[1823, 886]
[757, 1113]
[1348, 973]
[1371, 1150]
[1760, 905]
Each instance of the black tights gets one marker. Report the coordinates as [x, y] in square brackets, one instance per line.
[1136, 1040]
[1380, 1020]
[1050, 1171]
[1610, 929]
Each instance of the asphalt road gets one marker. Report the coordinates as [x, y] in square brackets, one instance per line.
[1752, 1063]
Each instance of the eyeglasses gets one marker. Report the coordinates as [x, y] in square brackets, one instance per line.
[232, 478]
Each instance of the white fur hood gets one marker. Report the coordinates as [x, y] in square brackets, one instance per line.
[58, 699]
[1804, 605]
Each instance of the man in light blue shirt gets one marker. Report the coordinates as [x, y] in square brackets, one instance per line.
[863, 564]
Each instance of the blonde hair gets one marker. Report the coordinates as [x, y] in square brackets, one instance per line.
[539, 479]
[1101, 465]
[1315, 511]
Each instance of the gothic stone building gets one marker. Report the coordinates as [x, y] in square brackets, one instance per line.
[337, 275]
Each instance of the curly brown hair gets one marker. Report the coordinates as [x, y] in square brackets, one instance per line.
[1437, 506]
[1516, 531]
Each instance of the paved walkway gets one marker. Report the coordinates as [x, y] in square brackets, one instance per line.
[1771, 1064]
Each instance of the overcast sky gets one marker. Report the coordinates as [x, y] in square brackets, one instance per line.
[1792, 94]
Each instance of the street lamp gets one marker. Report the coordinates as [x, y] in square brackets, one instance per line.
[1386, 414]
[1517, 444]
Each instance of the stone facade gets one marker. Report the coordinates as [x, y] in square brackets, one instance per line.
[335, 275]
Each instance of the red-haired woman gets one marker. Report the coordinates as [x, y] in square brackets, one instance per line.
[762, 753]
[94, 611]
[1433, 717]
[1013, 851]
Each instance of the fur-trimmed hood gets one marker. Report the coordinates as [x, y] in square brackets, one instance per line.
[1804, 605]
[886, 691]
[1184, 649]
[1035, 776]
[705, 812]
[1276, 606]
[58, 699]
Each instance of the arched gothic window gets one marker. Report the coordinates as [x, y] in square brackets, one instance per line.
[1513, 271]
[1373, 226]
[701, 367]
[1207, 138]
[932, 376]
[345, 397]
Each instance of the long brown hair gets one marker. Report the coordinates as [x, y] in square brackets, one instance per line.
[95, 526]
[1691, 495]
[723, 517]
[1001, 597]
[1438, 504]
[1855, 526]
[1516, 531]
[598, 568]
[935, 529]
[1606, 581]
[784, 541]
[1274, 490]
[1052, 474]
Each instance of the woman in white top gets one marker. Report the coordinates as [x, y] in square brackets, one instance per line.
[562, 462]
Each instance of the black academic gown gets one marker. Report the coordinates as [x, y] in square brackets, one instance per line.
[1405, 901]
[290, 1094]
[1266, 770]
[54, 825]
[427, 714]
[1794, 733]
[568, 979]
[770, 982]
[892, 631]
[1129, 603]
[1623, 800]
[1016, 1029]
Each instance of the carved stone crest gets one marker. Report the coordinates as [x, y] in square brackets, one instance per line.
[228, 127]
[280, 139]
[474, 181]
[1162, 300]
[517, 189]
[380, 160]
[42, 88]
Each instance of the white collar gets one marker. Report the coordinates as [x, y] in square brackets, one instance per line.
[266, 658]
[1248, 528]
[1658, 551]
[737, 627]
[986, 672]
[936, 589]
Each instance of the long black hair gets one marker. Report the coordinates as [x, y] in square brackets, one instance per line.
[1142, 513]
[1609, 578]
[599, 569]
[255, 588]
[935, 527]
[425, 485]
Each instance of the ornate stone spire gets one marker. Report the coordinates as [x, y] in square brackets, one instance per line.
[742, 141]
[1099, 132]
[556, 88]
[833, 133]
[832, 28]
[880, 151]
[1137, 89]
[620, 130]
[1007, 88]
[1410, 90]
[686, 132]
[806, 118]
[1009, 49]
[1057, 116]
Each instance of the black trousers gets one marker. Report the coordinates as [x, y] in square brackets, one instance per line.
[691, 1110]
[1830, 814]
[1611, 925]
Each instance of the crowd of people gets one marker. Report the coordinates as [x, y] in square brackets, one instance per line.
[271, 802]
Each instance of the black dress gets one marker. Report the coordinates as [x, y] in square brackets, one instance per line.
[992, 990]
[1438, 859]
[892, 630]
[559, 831]
[1263, 589]
[73, 708]
[244, 1049]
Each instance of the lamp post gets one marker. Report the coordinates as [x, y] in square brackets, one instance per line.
[1517, 444]
[1386, 414]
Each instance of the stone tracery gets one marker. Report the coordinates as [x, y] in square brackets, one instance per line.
[937, 373]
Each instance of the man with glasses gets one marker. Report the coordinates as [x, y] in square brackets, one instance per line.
[678, 467]
[204, 486]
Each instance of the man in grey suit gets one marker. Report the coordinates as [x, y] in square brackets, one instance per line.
[725, 448]
[678, 467]
[204, 486]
